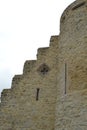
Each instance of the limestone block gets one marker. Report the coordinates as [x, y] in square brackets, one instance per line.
[28, 65]
[5, 95]
[16, 79]
[53, 40]
[42, 52]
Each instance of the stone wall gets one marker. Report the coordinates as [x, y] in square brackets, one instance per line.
[73, 47]
[71, 109]
[31, 101]
[52, 91]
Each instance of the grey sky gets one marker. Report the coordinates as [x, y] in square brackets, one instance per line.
[25, 25]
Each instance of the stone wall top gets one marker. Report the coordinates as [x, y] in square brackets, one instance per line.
[28, 66]
[41, 52]
[68, 12]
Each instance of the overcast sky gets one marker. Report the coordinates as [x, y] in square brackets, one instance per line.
[25, 25]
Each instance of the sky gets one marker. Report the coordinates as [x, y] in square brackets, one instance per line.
[25, 25]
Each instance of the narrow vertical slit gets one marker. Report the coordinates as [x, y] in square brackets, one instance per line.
[65, 78]
[37, 94]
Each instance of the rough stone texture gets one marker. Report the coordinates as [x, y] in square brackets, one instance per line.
[71, 109]
[28, 66]
[51, 94]
[20, 109]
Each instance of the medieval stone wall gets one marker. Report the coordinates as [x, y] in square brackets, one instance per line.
[51, 94]
[31, 101]
[72, 77]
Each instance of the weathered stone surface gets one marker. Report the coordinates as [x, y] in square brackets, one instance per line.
[71, 109]
[51, 94]
[28, 65]
[20, 109]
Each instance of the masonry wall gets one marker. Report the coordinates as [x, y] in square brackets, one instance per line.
[73, 47]
[30, 103]
[71, 110]
[51, 94]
